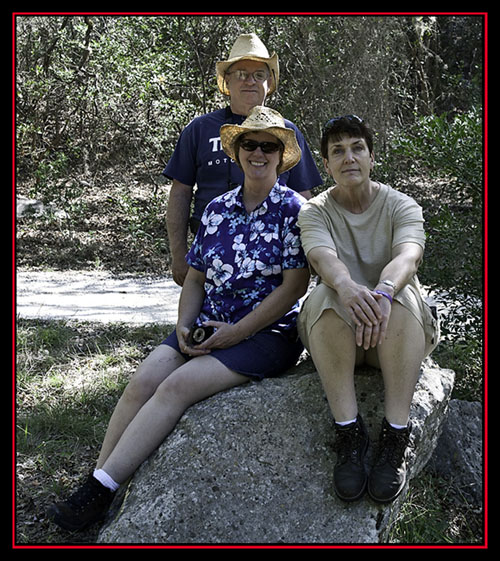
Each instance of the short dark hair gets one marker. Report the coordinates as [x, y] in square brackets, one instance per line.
[350, 125]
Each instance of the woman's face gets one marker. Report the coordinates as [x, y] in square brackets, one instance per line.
[349, 160]
[258, 164]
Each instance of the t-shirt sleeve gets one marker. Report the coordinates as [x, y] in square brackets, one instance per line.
[182, 164]
[408, 223]
[314, 231]
[305, 174]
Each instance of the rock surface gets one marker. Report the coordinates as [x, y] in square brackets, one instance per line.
[459, 454]
[253, 465]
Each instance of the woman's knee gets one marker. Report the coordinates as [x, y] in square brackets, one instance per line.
[330, 322]
[404, 326]
[175, 389]
[197, 379]
[157, 366]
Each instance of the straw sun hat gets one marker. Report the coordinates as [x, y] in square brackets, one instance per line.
[263, 119]
[248, 47]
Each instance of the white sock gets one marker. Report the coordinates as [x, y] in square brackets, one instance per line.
[343, 423]
[106, 479]
[398, 426]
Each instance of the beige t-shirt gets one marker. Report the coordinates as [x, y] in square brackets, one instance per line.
[364, 243]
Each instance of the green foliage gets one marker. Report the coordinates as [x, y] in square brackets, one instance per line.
[108, 91]
[447, 151]
[445, 146]
[430, 515]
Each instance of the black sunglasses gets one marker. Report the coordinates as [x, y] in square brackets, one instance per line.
[352, 118]
[266, 147]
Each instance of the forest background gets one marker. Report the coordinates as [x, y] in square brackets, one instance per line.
[101, 101]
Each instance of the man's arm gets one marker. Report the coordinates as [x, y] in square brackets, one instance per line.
[179, 204]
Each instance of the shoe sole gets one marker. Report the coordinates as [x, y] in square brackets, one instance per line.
[384, 500]
[55, 516]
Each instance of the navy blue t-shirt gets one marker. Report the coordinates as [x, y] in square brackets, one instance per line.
[199, 160]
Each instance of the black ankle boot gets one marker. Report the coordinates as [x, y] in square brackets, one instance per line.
[349, 474]
[388, 475]
[86, 506]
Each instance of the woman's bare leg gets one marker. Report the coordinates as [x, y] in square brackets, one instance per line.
[195, 380]
[334, 352]
[400, 357]
[160, 363]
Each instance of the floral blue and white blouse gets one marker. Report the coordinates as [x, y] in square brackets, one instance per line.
[243, 255]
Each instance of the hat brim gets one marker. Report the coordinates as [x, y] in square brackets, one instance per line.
[223, 66]
[291, 153]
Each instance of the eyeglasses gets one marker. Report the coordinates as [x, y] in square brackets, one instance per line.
[258, 75]
[266, 147]
[352, 118]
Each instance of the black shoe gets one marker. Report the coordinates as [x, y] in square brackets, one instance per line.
[388, 474]
[349, 474]
[86, 506]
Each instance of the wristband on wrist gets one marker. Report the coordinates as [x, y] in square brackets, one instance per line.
[388, 296]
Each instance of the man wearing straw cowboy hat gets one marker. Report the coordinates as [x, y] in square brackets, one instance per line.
[246, 77]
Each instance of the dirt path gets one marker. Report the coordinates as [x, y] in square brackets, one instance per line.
[96, 296]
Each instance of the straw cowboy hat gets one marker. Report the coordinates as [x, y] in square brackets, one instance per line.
[263, 119]
[248, 47]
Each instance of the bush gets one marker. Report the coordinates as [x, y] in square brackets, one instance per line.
[447, 146]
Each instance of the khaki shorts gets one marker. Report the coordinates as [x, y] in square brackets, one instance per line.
[323, 298]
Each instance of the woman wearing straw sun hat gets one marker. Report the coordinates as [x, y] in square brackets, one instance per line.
[247, 249]
[247, 271]
[246, 78]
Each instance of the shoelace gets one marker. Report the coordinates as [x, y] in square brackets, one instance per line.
[392, 446]
[86, 494]
[348, 444]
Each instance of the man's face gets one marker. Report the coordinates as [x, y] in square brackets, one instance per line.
[249, 92]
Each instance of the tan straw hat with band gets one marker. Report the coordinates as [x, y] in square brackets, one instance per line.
[248, 47]
[263, 119]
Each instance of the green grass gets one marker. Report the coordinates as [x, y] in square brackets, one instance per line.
[435, 512]
[70, 376]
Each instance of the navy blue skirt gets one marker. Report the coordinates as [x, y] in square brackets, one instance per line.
[266, 354]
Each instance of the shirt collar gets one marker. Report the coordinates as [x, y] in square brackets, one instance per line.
[275, 196]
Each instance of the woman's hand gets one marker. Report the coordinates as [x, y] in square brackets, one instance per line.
[369, 311]
[225, 335]
[185, 347]
[370, 335]
[360, 302]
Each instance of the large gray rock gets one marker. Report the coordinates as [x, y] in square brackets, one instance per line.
[459, 453]
[254, 465]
